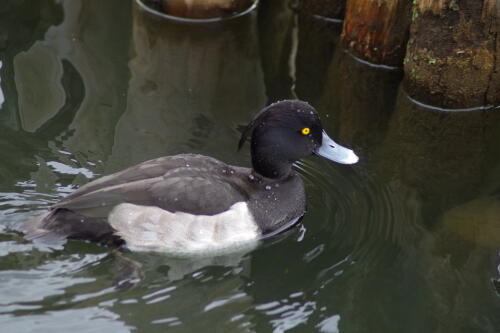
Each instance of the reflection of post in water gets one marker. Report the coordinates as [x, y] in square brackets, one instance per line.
[359, 99]
[450, 160]
[199, 8]
[59, 92]
[462, 262]
[319, 27]
[186, 79]
[447, 157]
[79, 99]
[276, 27]
[329, 9]
[21, 24]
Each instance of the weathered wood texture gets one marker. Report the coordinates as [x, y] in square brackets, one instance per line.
[377, 30]
[325, 8]
[200, 8]
[453, 55]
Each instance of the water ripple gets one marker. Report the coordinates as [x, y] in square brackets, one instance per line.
[366, 216]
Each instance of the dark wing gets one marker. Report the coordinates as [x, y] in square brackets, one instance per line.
[187, 190]
[146, 170]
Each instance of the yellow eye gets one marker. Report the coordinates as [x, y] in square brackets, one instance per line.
[305, 131]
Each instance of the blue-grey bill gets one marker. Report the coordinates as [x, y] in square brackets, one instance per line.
[333, 151]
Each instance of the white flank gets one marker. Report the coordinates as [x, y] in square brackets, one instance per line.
[146, 228]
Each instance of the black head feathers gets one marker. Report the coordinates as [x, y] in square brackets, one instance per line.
[282, 113]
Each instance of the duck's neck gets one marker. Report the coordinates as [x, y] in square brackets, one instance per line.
[270, 164]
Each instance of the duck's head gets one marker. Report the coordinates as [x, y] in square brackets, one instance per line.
[287, 131]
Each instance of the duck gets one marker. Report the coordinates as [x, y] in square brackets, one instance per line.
[195, 204]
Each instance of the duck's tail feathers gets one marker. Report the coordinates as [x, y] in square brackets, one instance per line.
[35, 230]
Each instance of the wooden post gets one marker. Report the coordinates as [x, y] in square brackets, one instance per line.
[377, 30]
[453, 54]
[200, 8]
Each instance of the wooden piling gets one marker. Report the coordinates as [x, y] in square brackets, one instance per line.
[377, 30]
[453, 54]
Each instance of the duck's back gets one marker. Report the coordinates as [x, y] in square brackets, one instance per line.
[187, 183]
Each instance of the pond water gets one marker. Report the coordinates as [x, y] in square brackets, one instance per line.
[407, 240]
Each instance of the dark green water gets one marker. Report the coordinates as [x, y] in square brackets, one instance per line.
[407, 240]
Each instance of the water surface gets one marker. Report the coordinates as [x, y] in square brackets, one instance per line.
[407, 240]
